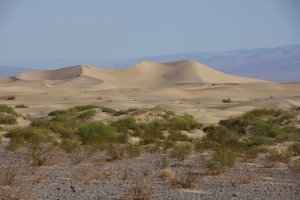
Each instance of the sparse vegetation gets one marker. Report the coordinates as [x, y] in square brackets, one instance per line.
[227, 100]
[187, 180]
[11, 98]
[181, 151]
[139, 191]
[21, 106]
[108, 110]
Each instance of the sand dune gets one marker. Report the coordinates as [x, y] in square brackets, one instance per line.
[183, 86]
[143, 75]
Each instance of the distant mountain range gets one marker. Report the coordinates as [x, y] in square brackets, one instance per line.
[281, 64]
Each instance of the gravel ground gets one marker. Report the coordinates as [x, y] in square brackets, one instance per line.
[95, 178]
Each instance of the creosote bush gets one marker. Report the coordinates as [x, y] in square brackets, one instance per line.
[181, 151]
[30, 135]
[97, 133]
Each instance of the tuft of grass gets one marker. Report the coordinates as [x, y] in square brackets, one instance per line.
[181, 151]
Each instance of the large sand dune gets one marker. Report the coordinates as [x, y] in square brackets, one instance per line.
[184, 86]
[143, 75]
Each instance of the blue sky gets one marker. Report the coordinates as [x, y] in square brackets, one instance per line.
[118, 29]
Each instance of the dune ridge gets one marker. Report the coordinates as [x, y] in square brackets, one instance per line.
[142, 75]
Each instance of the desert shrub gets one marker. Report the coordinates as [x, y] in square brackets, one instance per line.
[109, 110]
[162, 162]
[86, 115]
[58, 112]
[84, 108]
[295, 165]
[70, 145]
[294, 149]
[153, 131]
[277, 156]
[181, 151]
[97, 133]
[127, 124]
[205, 144]
[7, 119]
[188, 181]
[65, 125]
[236, 125]
[258, 140]
[11, 98]
[132, 150]
[266, 128]
[251, 153]
[186, 122]
[168, 174]
[21, 106]
[6, 109]
[177, 136]
[116, 152]
[7, 176]
[141, 190]
[34, 136]
[221, 137]
[42, 155]
[221, 160]
[227, 100]
[260, 114]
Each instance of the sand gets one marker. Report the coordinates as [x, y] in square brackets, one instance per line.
[183, 86]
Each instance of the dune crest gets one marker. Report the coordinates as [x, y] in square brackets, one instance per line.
[142, 75]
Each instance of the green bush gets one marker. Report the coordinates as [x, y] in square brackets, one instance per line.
[294, 149]
[186, 122]
[97, 133]
[7, 119]
[11, 98]
[6, 109]
[34, 136]
[277, 156]
[181, 151]
[86, 115]
[227, 100]
[127, 124]
[84, 108]
[70, 145]
[108, 110]
[221, 160]
[21, 106]
[177, 136]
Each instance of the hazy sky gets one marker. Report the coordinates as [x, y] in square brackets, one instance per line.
[117, 29]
